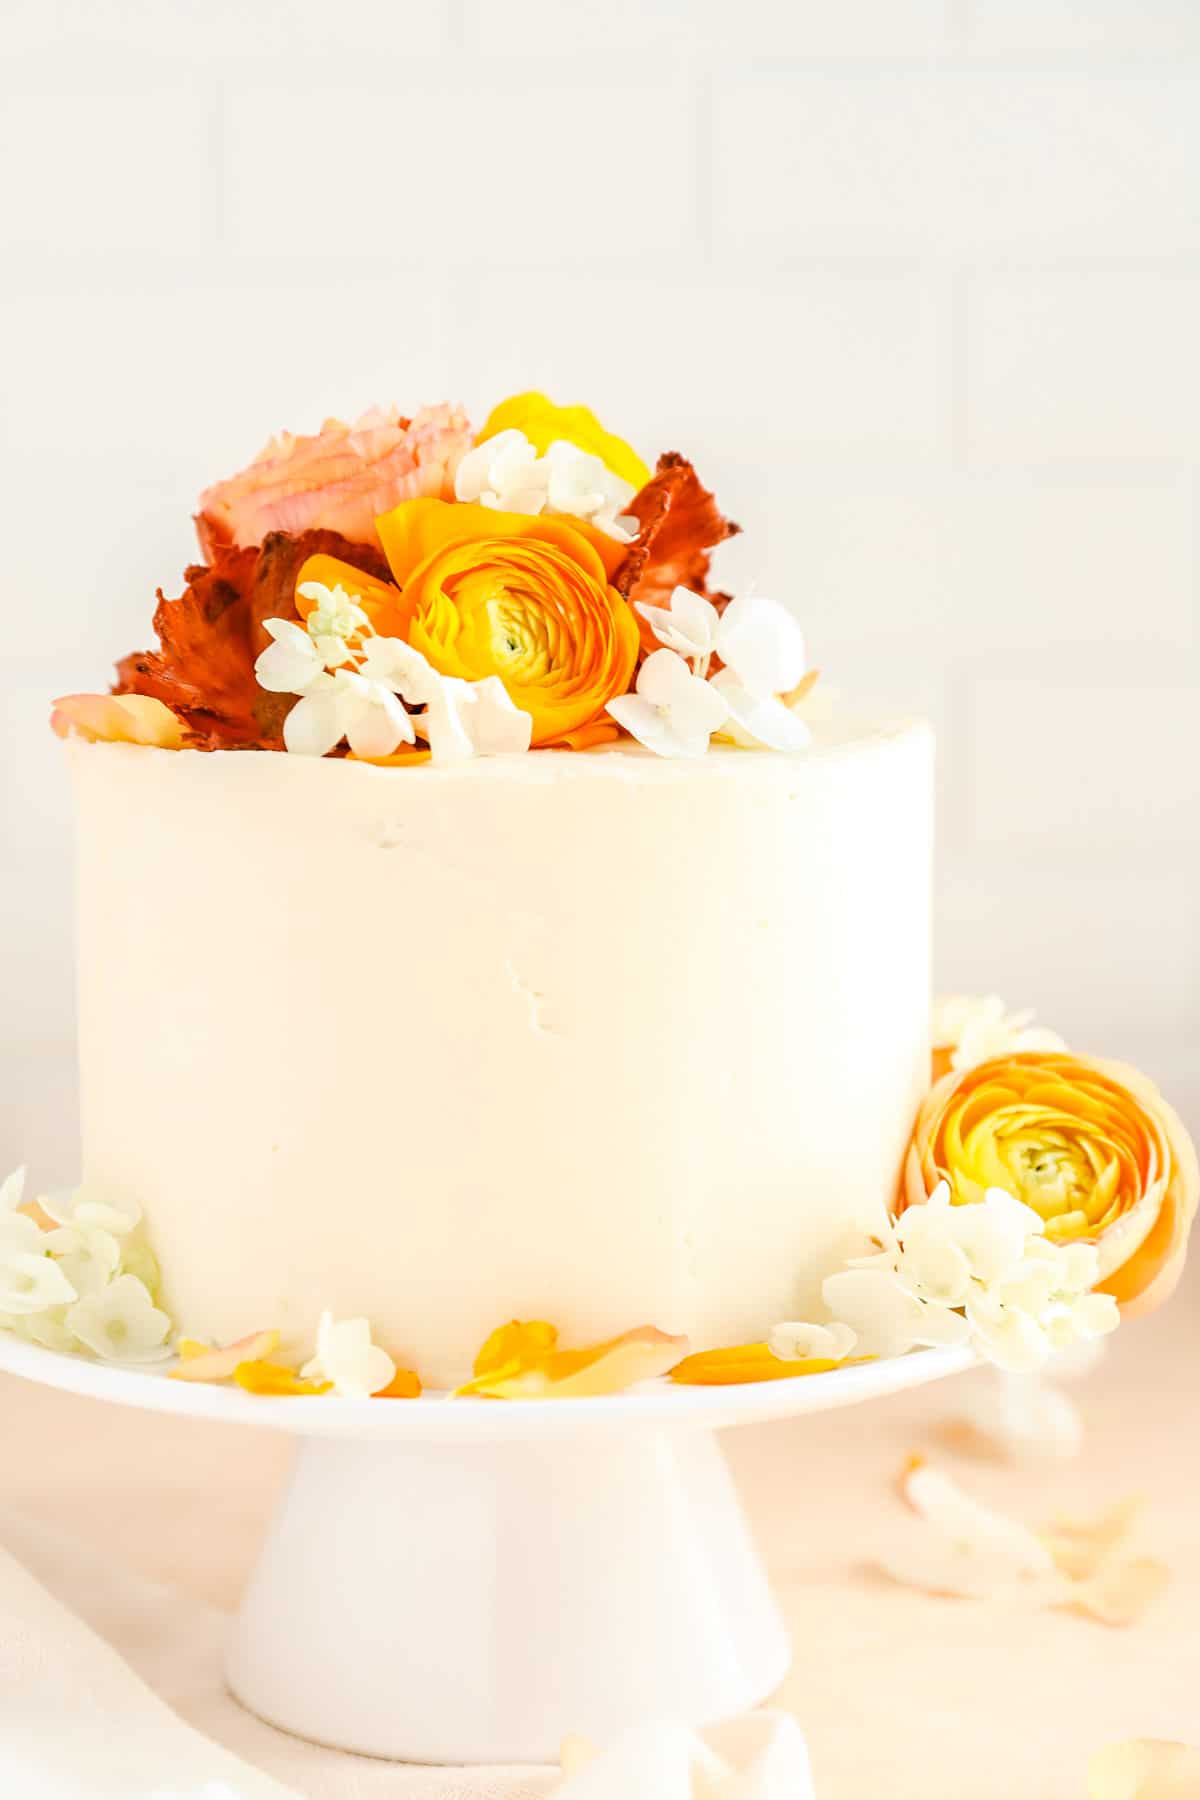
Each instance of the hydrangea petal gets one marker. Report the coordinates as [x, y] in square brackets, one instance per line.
[758, 720]
[761, 642]
[688, 625]
[316, 724]
[972, 1526]
[796, 1342]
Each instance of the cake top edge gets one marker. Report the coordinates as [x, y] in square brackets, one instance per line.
[406, 590]
[623, 761]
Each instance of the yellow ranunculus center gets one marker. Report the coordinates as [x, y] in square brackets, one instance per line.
[1078, 1173]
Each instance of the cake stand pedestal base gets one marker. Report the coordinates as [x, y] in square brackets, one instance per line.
[466, 1581]
[474, 1603]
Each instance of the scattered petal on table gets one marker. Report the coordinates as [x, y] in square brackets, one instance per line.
[1081, 1546]
[1120, 1592]
[1145, 1769]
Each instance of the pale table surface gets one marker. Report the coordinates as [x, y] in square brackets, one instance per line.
[901, 1695]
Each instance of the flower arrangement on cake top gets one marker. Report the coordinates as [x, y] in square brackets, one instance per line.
[405, 590]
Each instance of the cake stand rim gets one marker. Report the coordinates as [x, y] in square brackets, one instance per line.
[436, 1419]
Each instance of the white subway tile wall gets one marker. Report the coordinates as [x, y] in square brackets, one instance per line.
[917, 282]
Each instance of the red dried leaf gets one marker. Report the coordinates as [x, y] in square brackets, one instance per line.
[680, 524]
[211, 636]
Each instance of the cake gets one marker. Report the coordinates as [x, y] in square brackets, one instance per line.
[592, 1043]
[493, 963]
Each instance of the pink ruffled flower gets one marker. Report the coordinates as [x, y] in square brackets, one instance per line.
[340, 480]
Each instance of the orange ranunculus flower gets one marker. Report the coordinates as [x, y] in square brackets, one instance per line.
[525, 598]
[1091, 1145]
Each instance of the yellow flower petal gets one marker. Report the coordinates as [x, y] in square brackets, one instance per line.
[544, 423]
[606, 1368]
[749, 1362]
[259, 1377]
[522, 1341]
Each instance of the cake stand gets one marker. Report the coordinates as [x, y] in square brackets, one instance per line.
[466, 1581]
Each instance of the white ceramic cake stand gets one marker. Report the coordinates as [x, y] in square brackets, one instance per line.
[460, 1581]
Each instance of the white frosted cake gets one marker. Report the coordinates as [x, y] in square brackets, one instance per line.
[498, 970]
[583, 1037]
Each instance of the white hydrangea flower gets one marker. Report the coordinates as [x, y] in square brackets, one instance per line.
[400, 667]
[473, 718]
[291, 663]
[47, 1328]
[762, 648]
[89, 1257]
[582, 486]
[983, 1272]
[30, 1279]
[888, 1319]
[672, 712]
[505, 472]
[86, 1210]
[347, 705]
[798, 1341]
[974, 1028]
[335, 619]
[1043, 1305]
[689, 625]
[347, 1358]
[121, 1323]
[990, 1237]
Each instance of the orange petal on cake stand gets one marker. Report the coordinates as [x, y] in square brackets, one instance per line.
[206, 1362]
[521, 1341]
[117, 719]
[404, 1385]
[272, 1378]
[606, 1368]
[750, 1362]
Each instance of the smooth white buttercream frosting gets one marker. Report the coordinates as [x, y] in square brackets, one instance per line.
[598, 1038]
